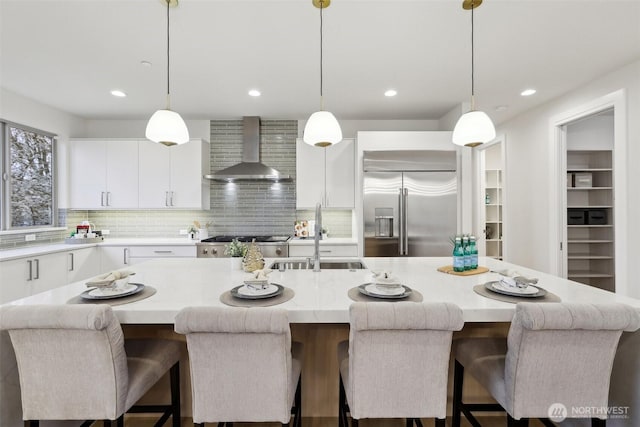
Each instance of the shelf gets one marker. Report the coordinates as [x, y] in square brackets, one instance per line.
[493, 240]
[579, 241]
[589, 257]
[590, 207]
[578, 274]
[590, 226]
[571, 170]
[588, 188]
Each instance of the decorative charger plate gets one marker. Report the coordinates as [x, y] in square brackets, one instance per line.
[371, 290]
[243, 292]
[130, 289]
[527, 293]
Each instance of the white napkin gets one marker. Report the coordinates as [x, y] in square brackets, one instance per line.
[513, 279]
[258, 279]
[108, 279]
[385, 278]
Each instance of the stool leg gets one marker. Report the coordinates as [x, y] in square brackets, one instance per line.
[175, 394]
[31, 423]
[441, 422]
[342, 413]
[354, 422]
[458, 377]
[409, 422]
[597, 422]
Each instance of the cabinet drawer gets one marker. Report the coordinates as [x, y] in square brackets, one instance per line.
[162, 251]
[325, 250]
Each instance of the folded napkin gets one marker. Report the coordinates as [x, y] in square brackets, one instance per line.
[514, 279]
[108, 279]
[385, 278]
[258, 279]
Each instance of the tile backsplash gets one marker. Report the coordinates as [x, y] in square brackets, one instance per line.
[236, 208]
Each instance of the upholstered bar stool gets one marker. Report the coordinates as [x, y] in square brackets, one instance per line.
[556, 357]
[396, 362]
[243, 365]
[74, 364]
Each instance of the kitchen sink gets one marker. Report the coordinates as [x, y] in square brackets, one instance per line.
[307, 264]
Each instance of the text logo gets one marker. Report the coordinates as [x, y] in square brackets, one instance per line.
[557, 412]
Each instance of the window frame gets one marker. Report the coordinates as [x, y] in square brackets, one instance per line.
[6, 185]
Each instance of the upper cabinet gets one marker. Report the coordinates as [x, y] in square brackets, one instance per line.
[172, 177]
[325, 175]
[133, 173]
[103, 174]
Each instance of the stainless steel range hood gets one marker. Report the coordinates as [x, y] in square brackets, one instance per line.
[250, 169]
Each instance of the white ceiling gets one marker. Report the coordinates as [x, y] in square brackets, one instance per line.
[70, 54]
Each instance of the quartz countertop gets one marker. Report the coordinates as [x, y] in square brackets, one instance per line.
[321, 297]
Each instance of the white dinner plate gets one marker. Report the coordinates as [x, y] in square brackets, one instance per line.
[98, 293]
[528, 292]
[377, 293]
[246, 292]
[384, 289]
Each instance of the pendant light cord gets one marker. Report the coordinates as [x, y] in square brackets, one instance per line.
[472, 62]
[168, 79]
[321, 97]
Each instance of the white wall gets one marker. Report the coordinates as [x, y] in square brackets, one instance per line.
[350, 128]
[530, 177]
[136, 128]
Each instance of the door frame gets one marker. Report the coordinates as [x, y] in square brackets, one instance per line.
[557, 190]
[479, 213]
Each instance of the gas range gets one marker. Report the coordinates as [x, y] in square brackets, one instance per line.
[270, 246]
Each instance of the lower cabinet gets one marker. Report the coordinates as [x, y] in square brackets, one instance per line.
[82, 264]
[325, 250]
[116, 257]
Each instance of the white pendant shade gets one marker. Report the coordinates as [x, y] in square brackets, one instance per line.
[167, 127]
[322, 129]
[473, 128]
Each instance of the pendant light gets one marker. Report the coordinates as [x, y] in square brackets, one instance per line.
[322, 128]
[473, 127]
[166, 126]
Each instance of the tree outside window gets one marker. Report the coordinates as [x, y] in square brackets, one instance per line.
[30, 185]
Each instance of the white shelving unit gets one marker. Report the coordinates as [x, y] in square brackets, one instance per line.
[590, 205]
[493, 176]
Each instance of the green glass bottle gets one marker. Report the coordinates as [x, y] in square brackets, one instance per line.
[458, 255]
[467, 254]
[473, 252]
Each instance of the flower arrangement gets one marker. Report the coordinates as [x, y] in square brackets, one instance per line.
[235, 249]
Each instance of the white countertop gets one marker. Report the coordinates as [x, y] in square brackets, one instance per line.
[320, 297]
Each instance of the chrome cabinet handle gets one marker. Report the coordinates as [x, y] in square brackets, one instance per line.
[166, 198]
[37, 261]
[72, 259]
[30, 270]
[172, 194]
[162, 252]
[125, 253]
[108, 198]
[102, 198]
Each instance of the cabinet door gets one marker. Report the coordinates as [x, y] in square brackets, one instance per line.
[153, 174]
[340, 175]
[186, 175]
[82, 264]
[48, 272]
[122, 173]
[15, 284]
[113, 258]
[87, 174]
[310, 178]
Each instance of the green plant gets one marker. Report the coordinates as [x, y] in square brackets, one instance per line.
[192, 229]
[236, 248]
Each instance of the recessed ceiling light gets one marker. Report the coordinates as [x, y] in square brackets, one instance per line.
[118, 93]
[528, 92]
[254, 92]
[391, 92]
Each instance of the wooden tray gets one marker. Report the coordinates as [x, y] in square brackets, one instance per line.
[449, 270]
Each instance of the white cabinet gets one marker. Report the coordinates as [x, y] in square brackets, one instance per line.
[103, 174]
[325, 250]
[116, 257]
[82, 264]
[28, 276]
[172, 177]
[325, 175]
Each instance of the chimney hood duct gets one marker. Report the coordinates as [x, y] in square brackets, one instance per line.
[250, 169]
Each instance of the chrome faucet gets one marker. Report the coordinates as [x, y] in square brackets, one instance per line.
[316, 237]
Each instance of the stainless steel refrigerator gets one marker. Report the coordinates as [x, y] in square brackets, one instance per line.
[410, 202]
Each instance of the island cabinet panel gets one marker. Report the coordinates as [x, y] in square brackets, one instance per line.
[103, 174]
[325, 175]
[172, 177]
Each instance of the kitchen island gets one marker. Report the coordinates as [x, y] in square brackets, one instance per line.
[319, 310]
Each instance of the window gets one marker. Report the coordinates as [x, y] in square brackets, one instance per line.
[28, 192]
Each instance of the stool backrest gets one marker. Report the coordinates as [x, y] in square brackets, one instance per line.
[563, 353]
[399, 358]
[240, 362]
[71, 360]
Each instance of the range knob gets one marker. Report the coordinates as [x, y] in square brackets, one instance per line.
[205, 251]
[214, 251]
[279, 251]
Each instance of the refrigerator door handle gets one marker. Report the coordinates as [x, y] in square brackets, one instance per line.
[401, 223]
[405, 219]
